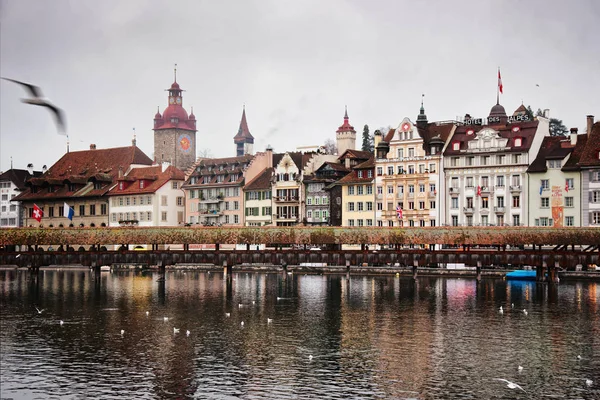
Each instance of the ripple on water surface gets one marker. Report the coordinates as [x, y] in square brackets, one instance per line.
[329, 338]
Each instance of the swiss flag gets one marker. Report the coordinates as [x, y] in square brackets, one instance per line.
[567, 186]
[478, 190]
[500, 81]
[37, 213]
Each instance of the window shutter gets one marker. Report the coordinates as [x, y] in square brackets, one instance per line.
[591, 177]
[590, 196]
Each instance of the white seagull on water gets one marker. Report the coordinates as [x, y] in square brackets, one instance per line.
[38, 99]
[175, 330]
[40, 311]
[511, 385]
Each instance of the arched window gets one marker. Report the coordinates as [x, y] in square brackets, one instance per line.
[518, 142]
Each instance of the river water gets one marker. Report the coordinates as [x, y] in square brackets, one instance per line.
[366, 337]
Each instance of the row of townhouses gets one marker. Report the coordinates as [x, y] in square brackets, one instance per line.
[499, 170]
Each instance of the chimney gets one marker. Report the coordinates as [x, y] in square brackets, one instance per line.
[574, 136]
[590, 122]
[120, 172]
[44, 169]
[92, 146]
[269, 150]
[546, 113]
[30, 168]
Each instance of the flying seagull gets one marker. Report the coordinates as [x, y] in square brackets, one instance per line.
[511, 385]
[38, 99]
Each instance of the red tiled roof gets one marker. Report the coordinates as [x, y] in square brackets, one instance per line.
[154, 178]
[351, 153]
[101, 166]
[526, 132]
[352, 177]
[572, 163]
[262, 181]
[590, 156]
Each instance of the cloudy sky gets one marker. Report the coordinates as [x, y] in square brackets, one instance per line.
[294, 64]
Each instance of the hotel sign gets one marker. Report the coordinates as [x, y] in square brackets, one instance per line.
[494, 120]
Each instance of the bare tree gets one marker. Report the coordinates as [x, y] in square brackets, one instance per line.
[330, 146]
[204, 153]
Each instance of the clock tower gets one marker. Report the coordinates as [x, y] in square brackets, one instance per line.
[175, 132]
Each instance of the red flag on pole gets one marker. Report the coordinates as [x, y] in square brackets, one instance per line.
[499, 81]
[567, 186]
[37, 213]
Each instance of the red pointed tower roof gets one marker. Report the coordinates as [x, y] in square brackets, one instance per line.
[243, 135]
[346, 127]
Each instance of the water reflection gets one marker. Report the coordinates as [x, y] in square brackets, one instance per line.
[369, 337]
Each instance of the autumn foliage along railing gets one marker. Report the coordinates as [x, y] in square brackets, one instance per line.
[302, 235]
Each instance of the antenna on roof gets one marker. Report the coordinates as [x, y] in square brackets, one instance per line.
[175, 70]
[134, 141]
[11, 162]
[67, 143]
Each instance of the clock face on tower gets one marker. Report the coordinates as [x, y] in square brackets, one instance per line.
[184, 142]
[171, 100]
[178, 100]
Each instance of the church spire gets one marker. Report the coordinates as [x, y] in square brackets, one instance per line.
[422, 117]
[243, 139]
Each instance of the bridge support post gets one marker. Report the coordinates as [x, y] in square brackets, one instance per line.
[478, 271]
[553, 273]
[540, 272]
[284, 266]
[227, 269]
[161, 267]
[347, 269]
[414, 269]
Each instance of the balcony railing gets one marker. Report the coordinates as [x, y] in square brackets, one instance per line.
[468, 210]
[486, 189]
[208, 200]
[410, 195]
[283, 199]
[432, 195]
[286, 217]
[499, 209]
[515, 188]
[454, 190]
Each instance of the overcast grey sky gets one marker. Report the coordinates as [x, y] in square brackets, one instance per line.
[295, 64]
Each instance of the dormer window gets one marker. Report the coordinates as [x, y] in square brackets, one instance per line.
[360, 174]
[174, 120]
[599, 154]
[456, 146]
[97, 185]
[518, 142]
[121, 186]
[71, 187]
[142, 183]
[233, 177]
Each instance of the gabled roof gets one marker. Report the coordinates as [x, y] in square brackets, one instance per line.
[351, 153]
[262, 181]
[18, 177]
[590, 156]
[154, 178]
[352, 177]
[98, 165]
[299, 158]
[213, 167]
[552, 148]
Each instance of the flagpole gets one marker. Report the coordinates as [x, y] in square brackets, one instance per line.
[498, 89]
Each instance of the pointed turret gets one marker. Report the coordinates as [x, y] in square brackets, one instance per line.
[345, 135]
[243, 139]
